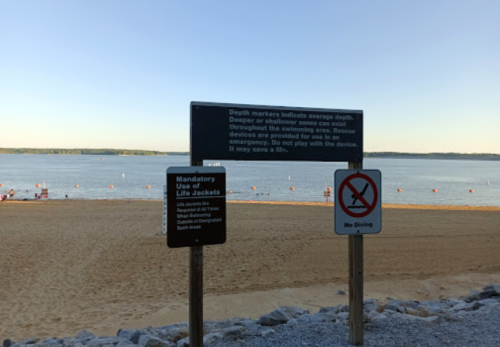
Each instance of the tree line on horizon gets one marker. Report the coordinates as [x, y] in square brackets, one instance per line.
[437, 155]
[84, 151]
[88, 151]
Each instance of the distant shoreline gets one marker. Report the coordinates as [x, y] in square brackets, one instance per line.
[133, 152]
[87, 151]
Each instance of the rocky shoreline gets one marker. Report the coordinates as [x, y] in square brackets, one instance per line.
[468, 321]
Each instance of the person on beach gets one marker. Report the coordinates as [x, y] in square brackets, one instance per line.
[12, 193]
[66, 196]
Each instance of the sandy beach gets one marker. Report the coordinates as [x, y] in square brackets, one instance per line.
[99, 265]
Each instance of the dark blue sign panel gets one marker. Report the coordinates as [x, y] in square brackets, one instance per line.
[196, 206]
[253, 132]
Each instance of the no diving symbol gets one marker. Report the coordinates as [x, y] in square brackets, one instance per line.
[358, 206]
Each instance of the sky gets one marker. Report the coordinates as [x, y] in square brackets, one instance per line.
[121, 74]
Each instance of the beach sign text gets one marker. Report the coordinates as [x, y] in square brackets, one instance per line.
[196, 206]
[358, 202]
[255, 132]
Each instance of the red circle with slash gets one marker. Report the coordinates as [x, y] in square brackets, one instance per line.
[347, 183]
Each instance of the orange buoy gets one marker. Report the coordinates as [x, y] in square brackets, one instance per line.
[435, 190]
[1, 184]
[111, 186]
[292, 188]
[400, 190]
[329, 189]
[148, 187]
[472, 190]
[230, 192]
[254, 188]
[37, 185]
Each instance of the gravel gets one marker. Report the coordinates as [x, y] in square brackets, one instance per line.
[478, 328]
[468, 321]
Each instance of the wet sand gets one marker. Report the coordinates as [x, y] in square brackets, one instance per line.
[99, 265]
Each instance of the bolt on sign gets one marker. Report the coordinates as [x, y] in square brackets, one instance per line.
[255, 132]
[196, 206]
[358, 202]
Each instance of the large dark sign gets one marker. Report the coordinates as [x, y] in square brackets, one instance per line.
[196, 206]
[252, 132]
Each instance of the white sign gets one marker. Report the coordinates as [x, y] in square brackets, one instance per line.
[358, 202]
[164, 209]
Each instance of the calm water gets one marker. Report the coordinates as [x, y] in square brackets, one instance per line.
[130, 175]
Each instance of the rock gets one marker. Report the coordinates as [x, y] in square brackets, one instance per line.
[321, 317]
[234, 331]
[278, 316]
[495, 287]
[330, 310]
[72, 342]
[487, 294]
[343, 315]
[151, 341]
[250, 325]
[183, 342]
[85, 336]
[415, 318]
[388, 312]
[126, 333]
[371, 305]
[372, 315]
[379, 316]
[453, 302]
[474, 295]
[211, 338]
[411, 304]
[412, 311]
[467, 306]
[101, 342]
[294, 311]
[29, 341]
[134, 338]
[174, 333]
[53, 340]
[395, 306]
[267, 332]
[400, 305]
[340, 292]
[458, 307]
[430, 309]
[487, 302]
[126, 343]
[50, 344]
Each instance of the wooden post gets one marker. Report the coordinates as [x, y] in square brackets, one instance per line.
[356, 281]
[196, 291]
